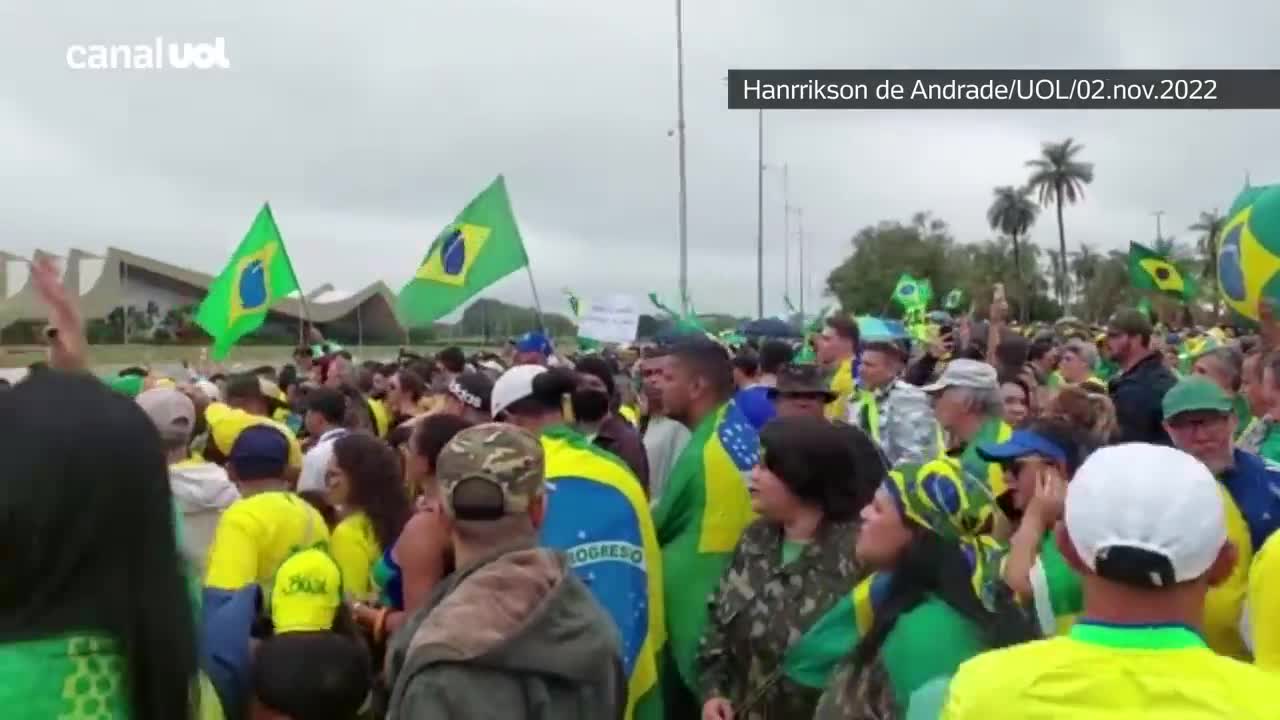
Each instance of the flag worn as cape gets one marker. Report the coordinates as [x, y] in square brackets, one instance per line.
[1249, 251]
[926, 643]
[597, 514]
[1149, 270]
[480, 247]
[258, 274]
[699, 518]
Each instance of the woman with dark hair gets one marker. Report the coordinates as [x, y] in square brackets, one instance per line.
[364, 484]
[409, 569]
[405, 390]
[1018, 398]
[1038, 462]
[789, 568]
[96, 619]
[935, 600]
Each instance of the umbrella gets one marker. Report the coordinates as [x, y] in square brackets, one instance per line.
[874, 328]
[769, 327]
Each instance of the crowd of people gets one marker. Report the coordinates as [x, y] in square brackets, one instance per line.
[995, 522]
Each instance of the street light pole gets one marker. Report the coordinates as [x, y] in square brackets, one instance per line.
[1158, 213]
[760, 215]
[800, 241]
[684, 210]
[786, 236]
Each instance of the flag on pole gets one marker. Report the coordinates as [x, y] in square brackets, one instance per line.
[258, 274]
[480, 247]
[1149, 270]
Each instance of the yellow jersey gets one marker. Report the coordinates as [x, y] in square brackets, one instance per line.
[356, 549]
[258, 533]
[1261, 626]
[843, 385]
[1160, 672]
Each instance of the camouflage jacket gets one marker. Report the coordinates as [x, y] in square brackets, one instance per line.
[866, 697]
[762, 607]
[899, 417]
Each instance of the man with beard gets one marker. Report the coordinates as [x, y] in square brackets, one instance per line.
[594, 415]
[1139, 388]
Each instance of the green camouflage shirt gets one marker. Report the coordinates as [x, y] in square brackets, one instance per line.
[762, 607]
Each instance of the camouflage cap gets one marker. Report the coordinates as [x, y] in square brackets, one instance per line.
[505, 456]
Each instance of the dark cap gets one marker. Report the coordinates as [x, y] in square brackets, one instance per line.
[472, 389]
[1130, 322]
[802, 379]
[260, 451]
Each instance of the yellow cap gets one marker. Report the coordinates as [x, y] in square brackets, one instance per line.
[306, 593]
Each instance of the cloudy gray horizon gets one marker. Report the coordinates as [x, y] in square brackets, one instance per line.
[369, 127]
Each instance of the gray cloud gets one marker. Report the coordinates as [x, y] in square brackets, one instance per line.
[368, 128]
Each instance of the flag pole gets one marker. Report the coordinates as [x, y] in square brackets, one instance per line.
[305, 320]
[537, 304]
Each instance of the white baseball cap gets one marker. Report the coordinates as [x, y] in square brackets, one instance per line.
[514, 384]
[1145, 515]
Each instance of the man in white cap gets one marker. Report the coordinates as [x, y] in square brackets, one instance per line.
[969, 408]
[1144, 527]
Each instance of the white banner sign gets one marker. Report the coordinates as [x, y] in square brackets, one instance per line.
[610, 319]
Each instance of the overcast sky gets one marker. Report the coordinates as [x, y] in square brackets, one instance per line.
[369, 126]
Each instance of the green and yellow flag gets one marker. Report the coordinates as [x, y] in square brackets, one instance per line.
[480, 247]
[1149, 270]
[699, 519]
[258, 274]
[1249, 251]
[912, 294]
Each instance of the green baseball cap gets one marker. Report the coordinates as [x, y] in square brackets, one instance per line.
[503, 464]
[1196, 393]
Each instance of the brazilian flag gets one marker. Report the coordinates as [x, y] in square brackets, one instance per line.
[912, 294]
[258, 274]
[480, 247]
[953, 300]
[1249, 251]
[1149, 270]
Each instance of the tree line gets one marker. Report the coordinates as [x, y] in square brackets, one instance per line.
[1041, 283]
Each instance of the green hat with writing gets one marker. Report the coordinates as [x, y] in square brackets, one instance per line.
[1196, 394]
[306, 593]
[490, 471]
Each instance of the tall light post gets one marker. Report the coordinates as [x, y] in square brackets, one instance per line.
[800, 242]
[760, 214]
[1158, 214]
[684, 208]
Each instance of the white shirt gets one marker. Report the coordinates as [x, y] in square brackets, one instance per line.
[664, 440]
[316, 462]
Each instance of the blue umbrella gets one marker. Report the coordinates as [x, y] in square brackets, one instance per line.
[874, 328]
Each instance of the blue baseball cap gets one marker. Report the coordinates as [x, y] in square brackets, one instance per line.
[1021, 444]
[260, 451]
[533, 342]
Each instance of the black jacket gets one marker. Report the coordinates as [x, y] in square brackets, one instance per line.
[1137, 395]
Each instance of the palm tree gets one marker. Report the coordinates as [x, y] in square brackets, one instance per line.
[1059, 177]
[1209, 226]
[1012, 213]
[1084, 265]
